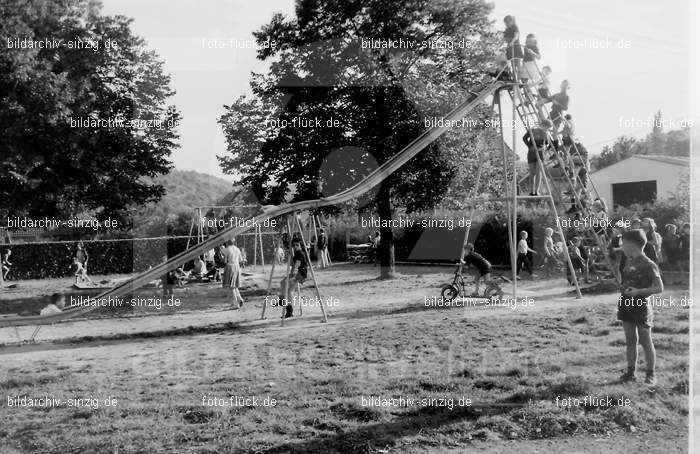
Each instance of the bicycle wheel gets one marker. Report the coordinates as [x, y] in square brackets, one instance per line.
[449, 292]
[493, 291]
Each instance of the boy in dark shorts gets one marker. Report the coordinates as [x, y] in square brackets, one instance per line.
[537, 143]
[297, 275]
[579, 260]
[480, 263]
[640, 279]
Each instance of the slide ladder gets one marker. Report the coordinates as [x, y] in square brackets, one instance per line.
[556, 169]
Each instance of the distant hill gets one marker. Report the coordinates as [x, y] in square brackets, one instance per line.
[185, 190]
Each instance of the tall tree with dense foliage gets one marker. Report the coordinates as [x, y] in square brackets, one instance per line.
[59, 154]
[333, 106]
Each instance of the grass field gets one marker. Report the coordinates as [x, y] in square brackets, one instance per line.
[381, 342]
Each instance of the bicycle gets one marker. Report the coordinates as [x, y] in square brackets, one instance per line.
[458, 287]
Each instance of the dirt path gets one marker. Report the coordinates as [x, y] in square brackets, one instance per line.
[351, 290]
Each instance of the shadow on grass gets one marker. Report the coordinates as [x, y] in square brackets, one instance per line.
[369, 438]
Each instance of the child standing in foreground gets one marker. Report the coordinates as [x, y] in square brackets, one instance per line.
[640, 279]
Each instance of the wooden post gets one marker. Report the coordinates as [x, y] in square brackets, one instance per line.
[313, 275]
[328, 242]
[255, 248]
[514, 219]
[510, 202]
[262, 253]
[269, 284]
[189, 235]
[319, 254]
[286, 276]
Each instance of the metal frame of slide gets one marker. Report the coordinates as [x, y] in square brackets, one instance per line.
[372, 180]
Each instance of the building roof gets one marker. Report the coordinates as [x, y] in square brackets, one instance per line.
[677, 160]
[681, 161]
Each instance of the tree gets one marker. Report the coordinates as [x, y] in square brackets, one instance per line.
[366, 104]
[623, 148]
[658, 142]
[55, 158]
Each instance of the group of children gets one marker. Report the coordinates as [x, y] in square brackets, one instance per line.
[227, 256]
[231, 259]
[554, 132]
[672, 250]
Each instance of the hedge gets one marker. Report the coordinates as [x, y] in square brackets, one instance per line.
[54, 259]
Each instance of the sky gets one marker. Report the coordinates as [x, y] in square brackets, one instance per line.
[645, 68]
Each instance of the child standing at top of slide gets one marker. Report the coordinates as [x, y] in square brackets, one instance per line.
[640, 279]
[511, 36]
[532, 52]
[514, 51]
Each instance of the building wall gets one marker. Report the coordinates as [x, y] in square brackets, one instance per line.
[635, 169]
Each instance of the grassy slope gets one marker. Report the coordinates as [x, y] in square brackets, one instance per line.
[184, 190]
[318, 376]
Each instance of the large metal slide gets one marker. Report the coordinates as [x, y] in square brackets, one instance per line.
[372, 180]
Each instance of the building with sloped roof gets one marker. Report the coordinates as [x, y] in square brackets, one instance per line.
[641, 179]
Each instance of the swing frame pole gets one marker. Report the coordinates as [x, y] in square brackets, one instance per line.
[311, 270]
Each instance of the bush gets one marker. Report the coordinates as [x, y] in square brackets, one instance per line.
[662, 212]
[51, 260]
[117, 256]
